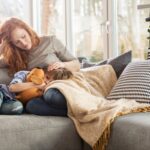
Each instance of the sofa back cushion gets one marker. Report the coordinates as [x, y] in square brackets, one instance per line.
[86, 63]
[118, 63]
[134, 83]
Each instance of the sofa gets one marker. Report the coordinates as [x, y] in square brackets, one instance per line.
[31, 132]
[130, 132]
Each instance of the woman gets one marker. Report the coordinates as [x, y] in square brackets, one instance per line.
[22, 49]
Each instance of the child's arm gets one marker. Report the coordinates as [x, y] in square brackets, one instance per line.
[19, 87]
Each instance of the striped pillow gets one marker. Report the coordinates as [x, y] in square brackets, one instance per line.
[148, 55]
[134, 83]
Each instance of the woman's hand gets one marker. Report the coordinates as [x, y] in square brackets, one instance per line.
[56, 65]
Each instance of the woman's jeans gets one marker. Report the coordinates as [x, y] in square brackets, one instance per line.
[52, 103]
[10, 106]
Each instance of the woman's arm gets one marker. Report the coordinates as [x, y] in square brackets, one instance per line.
[68, 61]
[19, 87]
[73, 65]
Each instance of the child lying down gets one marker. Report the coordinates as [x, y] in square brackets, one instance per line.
[30, 84]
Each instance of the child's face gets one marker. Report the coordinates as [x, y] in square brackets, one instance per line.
[47, 78]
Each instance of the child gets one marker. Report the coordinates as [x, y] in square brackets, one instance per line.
[57, 74]
[53, 101]
[18, 84]
[8, 103]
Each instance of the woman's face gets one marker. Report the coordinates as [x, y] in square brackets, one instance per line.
[21, 39]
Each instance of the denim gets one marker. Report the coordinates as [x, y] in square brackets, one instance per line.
[55, 98]
[10, 106]
[1, 98]
[53, 103]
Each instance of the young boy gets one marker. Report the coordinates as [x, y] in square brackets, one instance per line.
[9, 105]
[18, 84]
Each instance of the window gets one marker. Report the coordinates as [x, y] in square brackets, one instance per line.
[77, 23]
[97, 29]
[53, 18]
[87, 31]
[132, 28]
[19, 8]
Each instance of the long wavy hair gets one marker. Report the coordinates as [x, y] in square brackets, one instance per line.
[15, 58]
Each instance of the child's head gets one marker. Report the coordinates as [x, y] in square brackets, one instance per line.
[58, 74]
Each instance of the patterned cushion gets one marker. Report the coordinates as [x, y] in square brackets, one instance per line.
[134, 83]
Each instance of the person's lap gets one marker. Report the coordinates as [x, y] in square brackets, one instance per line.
[52, 103]
[10, 106]
[55, 98]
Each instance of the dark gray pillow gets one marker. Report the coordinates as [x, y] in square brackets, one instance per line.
[119, 63]
[148, 55]
[86, 63]
[134, 83]
[81, 59]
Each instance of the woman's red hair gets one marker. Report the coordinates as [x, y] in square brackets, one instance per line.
[15, 58]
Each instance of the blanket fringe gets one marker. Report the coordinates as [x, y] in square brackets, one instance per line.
[103, 140]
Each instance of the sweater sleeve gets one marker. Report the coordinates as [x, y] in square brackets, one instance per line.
[61, 51]
[19, 77]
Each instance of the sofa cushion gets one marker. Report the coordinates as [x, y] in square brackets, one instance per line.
[133, 83]
[31, 132]
[130, 132]
[119, 63]
[86, 63]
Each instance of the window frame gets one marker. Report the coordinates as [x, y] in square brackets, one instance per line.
[109, 24]
[35, 15]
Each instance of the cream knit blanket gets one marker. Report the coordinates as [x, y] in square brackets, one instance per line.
[90, 111]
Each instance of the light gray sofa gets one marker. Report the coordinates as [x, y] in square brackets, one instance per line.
[31, 132]
[130, 132]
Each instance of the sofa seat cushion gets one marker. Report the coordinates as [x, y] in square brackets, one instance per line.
[30, 132]
[130, 132]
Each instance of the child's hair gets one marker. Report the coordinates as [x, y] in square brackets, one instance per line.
[58, 74]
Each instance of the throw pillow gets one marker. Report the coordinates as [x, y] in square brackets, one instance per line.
[119, 63]
[134, 83]
[86, 63]
[81, 59]
[148, 55]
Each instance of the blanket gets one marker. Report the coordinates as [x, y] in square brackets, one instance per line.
[88, 107]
